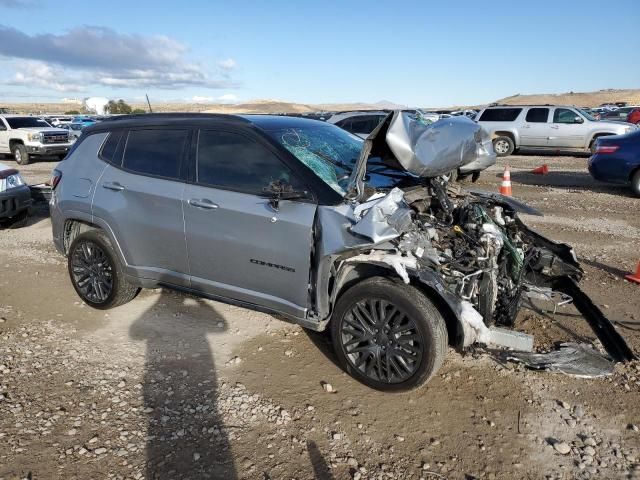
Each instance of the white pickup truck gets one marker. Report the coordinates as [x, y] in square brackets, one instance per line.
[24, 137]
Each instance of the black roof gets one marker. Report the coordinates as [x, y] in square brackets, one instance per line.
[276, 122]
[265, 122]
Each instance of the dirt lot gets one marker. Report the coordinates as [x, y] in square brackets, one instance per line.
[171, 386]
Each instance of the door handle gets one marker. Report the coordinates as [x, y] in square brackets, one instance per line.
[115, 186]
[204, 203]
[555, 127]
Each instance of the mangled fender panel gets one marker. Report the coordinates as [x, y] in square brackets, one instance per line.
[432, 149]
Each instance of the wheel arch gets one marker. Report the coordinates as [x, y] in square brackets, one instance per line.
[506, 133]
[351, 274]
[597, 135]
[80, 223]
[15, 141]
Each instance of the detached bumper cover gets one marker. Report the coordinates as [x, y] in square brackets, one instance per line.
[14, 201]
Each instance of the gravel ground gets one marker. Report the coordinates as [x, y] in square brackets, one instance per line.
[172, 386]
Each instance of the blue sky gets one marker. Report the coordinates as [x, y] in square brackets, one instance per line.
[416, 53]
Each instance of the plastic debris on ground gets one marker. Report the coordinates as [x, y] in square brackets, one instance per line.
[574, 359]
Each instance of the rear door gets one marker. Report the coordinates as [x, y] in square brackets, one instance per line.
[535, 129]
[239, 247]
[140, 196]
[569, 129]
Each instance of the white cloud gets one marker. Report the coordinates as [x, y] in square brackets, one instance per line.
[38, 74]
[227, 64]
[90, 56]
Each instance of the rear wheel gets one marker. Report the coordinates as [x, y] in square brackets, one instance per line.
[388, 335]
[20, 154]
[503, 146]
[635, 183]
[96, 272]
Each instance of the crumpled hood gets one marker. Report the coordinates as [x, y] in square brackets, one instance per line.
[430, 149]
[410, 142]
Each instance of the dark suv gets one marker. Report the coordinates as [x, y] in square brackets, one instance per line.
[300, 218]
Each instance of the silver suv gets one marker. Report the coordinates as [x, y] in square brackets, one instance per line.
[545, 127]
[300, 218]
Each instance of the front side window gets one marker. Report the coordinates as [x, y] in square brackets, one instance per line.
[564, 115]
[234, 162]
[27, 122]
[537, 115]
[156, 152]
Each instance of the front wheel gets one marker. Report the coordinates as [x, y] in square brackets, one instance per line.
[388, 335]
[503, 146]
[20, 154]
[96, 272]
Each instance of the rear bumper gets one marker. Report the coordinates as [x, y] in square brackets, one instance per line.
[15, 201]
[609, 169]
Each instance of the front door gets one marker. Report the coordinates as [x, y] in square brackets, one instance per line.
[239, 245]
[141, 200]
[535, 130]
[569, 129]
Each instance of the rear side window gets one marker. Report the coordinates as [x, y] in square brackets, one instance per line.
[235, 162]
[110, 145]
[156, 152]
[500, 114]
[537, 115]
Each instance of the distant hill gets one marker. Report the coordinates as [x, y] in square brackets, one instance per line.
[252, 106]
[586, 99]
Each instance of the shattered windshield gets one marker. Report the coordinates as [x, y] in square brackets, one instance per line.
[332, 154]
[329, 151]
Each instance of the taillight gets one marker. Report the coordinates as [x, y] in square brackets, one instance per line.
[606, 148]
[56, 176]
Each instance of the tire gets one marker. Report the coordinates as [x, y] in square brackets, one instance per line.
[96, 272]
[378, 359]
[503, 146]
[19, 152]
[635, 183]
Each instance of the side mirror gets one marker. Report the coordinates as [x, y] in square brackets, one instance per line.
[279, 190]
[578, 119]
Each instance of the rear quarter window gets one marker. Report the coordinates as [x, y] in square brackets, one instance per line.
[109, 147]
[500, 114]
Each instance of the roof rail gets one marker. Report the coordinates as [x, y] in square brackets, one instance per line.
[151, 116]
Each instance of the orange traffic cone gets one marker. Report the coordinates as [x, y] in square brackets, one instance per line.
[505, 187]
[634, 277]
[543, 170]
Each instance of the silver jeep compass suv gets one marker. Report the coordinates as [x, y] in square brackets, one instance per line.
[303, 219]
